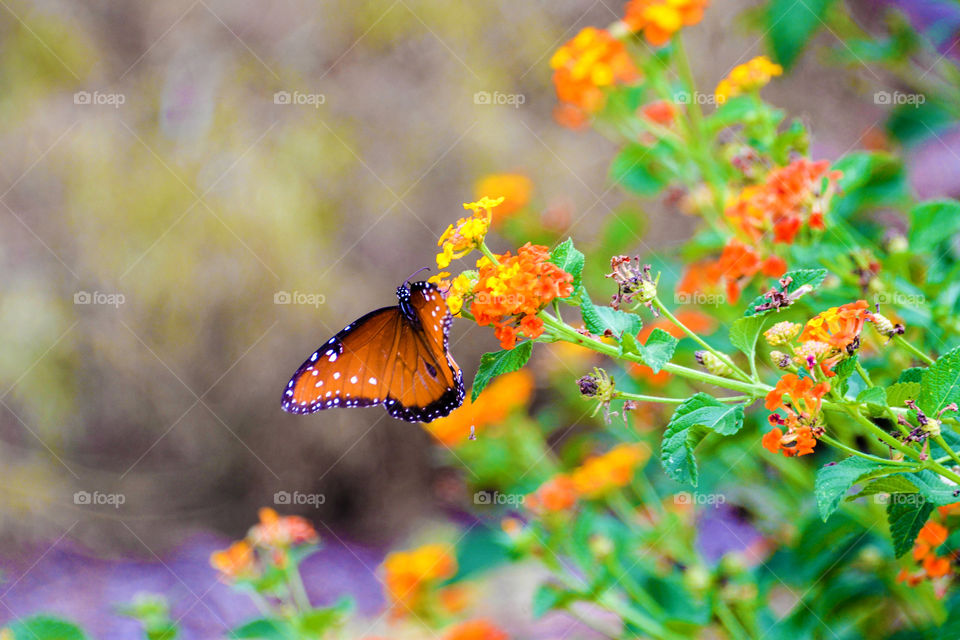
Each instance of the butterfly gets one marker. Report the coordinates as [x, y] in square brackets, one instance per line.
[395, 356]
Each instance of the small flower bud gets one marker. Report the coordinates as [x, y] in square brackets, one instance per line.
[713, 364]
[588, 386]
[932, 427]
[780, 359]
[885, 327]
[781, 333]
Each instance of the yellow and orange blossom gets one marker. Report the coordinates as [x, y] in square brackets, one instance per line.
[660, 19]
[602, 474]
[410, 575]
[749, 76]
[501, 397]
[234, 562]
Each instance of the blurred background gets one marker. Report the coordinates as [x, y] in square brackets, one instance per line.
[197, 193]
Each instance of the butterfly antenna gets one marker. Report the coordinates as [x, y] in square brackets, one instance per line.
[415, 273]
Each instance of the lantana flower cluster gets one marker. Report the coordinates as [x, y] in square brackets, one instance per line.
[268, 543]
[933, 566]
[659, 20]
[596, 477]
[749, 76]
[412, 578]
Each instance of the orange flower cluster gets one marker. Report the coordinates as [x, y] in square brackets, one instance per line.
[660, 19]
[595, 478]
[510, 293]
[497, 401]
[839, 327]
[411, 576]
[736, 266]
[476, 630]
[599, 475]
[274, 535]
[515, 188]
[789, 198]
[585, 66]
[802, 413]
[932, 566]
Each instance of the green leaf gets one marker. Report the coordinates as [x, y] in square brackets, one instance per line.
[744, 333]
[913, 374]
[658, 349]
[873, 396]
[844, 370]
[317, 622]
[498, 363]
[895, 483]
[629, 345]
[791, 25]
[906, 518]
[933, 222]
[940, 383]
[46, 628]
[834, 480]
[800, 277]
[638, 169]
[900, 392]
[690, 423]
[734, 111]
[568, 258]
[549, 597]
[598, 319]
[933, 487]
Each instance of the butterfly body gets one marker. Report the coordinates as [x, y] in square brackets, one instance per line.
[394, 356]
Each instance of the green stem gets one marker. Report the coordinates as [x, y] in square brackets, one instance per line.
[625, 395]
[863, 373]
[943, 445]
[906, 344]
[854, 411]
[839, 445]
[489, 254]
[730, 621]
[569, 334]
[696, 338]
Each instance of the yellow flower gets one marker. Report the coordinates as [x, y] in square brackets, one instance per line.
[465, 236]
[411, 575]
[748, 76]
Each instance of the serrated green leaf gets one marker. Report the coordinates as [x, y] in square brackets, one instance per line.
[568, 258]
[913, 374]
[629, 345]
[895, 483]
[658, 349]
[46, 628]
[834, 480]
[799, 278]
[874, 396]
[497, 363]
[933, 222]
[900, 392]
[844, 370]
[906, 518]
[940, 383]
[744, 333]
[691, 421]
[598, 319]
[933, 487]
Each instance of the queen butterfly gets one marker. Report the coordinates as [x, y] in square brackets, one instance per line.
[394, 356]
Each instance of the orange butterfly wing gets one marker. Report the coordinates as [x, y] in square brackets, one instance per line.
[395, 356]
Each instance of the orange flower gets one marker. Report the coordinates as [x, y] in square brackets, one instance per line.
[515, 188]
[507, 294]
[234, 562]
[660, 112]
[660, 19]
[476, 630]
[411, 575]
[838, 327]
[586, 66]
[931, 536]
[277, 531]
[498, 400]
[798, 441]
[556, 494]
[737, 264]
[789, 198]
[804, 394]
[600, 475]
